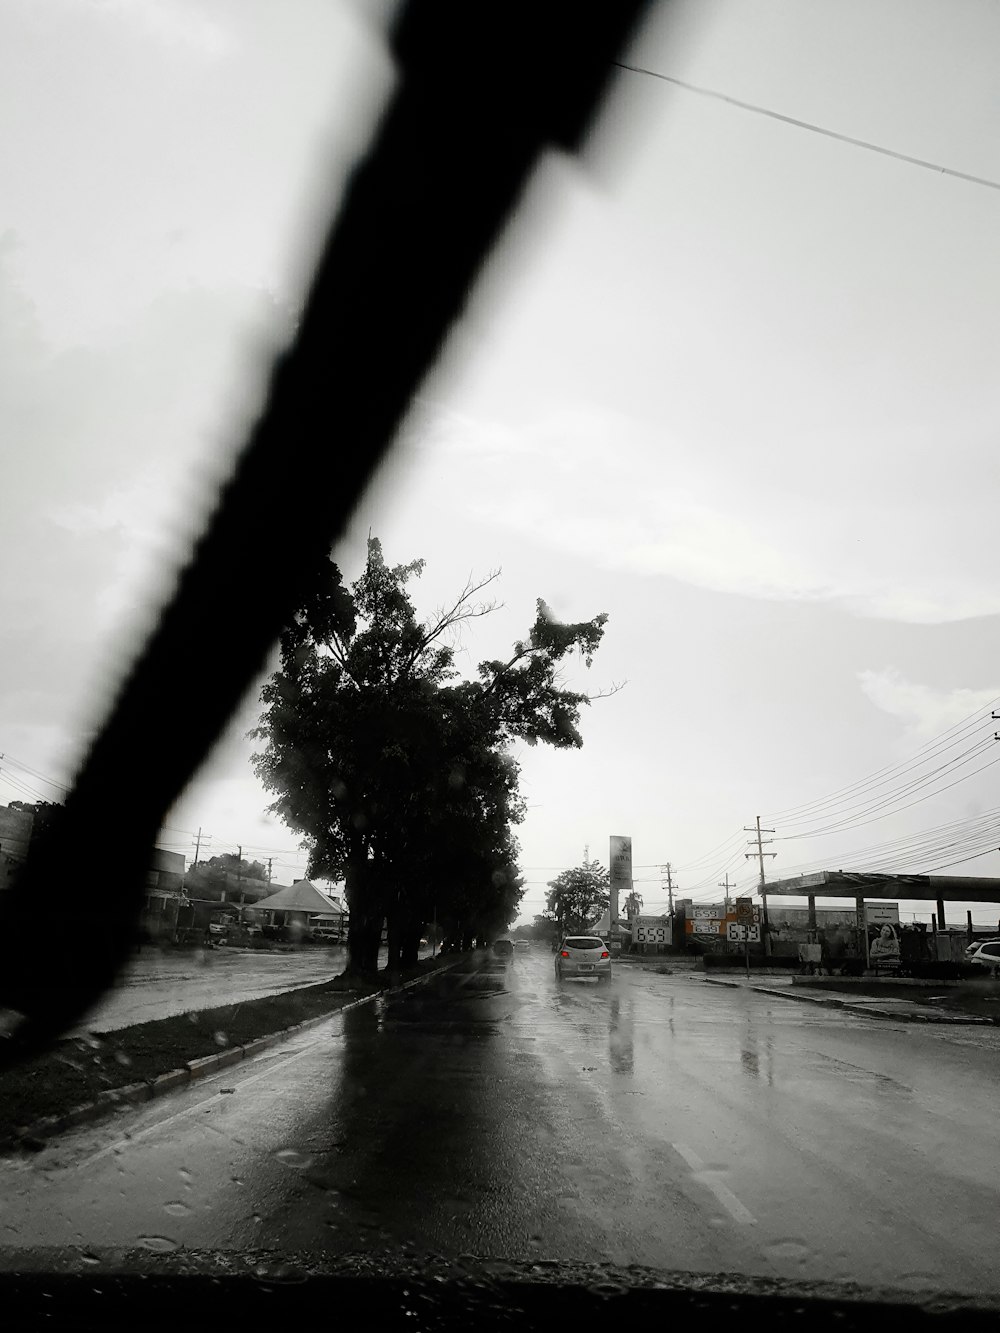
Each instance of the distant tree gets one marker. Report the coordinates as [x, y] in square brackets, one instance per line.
[633, 903]
[233, 865]
[44, 813]
[223, 878]
[578, 897]
[543, 928]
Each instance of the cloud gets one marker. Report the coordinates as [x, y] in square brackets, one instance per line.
[925, 712]
[603, 487]
[174, 24]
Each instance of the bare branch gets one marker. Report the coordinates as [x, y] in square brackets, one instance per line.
[456, 614]
[338, 651]
[616, 688]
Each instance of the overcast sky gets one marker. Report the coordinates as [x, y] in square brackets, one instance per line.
[731, 380]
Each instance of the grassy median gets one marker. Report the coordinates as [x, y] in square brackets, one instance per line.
[77, 1070]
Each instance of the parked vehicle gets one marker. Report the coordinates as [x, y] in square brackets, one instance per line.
[329, 934]
[583, 956]
[984, 953]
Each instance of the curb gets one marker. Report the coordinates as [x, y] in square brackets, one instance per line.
[34, 1136]
[930, 1020]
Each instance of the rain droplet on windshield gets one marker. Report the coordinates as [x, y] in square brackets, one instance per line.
[160, 1244]
[298, 1161]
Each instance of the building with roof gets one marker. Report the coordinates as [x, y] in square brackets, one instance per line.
[301, 906]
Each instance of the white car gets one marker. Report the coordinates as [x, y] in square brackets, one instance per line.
[985, 953]
[583, 956]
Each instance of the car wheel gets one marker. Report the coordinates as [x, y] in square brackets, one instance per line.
[558, 974]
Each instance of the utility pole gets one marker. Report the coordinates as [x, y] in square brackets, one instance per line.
[269, 860]
[761, 843]
[727, 886]
[239, 877]
[669, 886]
[197, 845]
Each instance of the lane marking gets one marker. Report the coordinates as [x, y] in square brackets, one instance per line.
[723, 1193]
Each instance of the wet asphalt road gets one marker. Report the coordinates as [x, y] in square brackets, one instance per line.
[157, 984]
[656, 1121]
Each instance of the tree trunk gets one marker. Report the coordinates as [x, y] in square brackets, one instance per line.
[395, 940]
[364, 934]
[410, 949]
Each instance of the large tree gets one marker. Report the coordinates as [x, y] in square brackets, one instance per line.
[393, 768]
[578, 897]
[225, 878]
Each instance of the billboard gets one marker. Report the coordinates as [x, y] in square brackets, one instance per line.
[620, 869]
[715, 919]
[740, 932]
[652, 930]
[882, 932]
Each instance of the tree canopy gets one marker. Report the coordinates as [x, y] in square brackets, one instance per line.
[44, 813]
[394, 768]
[225, 877]
[578, 897]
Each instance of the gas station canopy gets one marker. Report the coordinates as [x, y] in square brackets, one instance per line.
[863, 884]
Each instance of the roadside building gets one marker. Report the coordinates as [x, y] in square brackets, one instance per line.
[15, 836]
[300, 908]
[166, 908]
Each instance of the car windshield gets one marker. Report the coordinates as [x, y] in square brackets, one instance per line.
[666, 628]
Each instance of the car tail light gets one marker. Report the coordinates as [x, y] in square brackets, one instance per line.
[565, 954]
[605, 954]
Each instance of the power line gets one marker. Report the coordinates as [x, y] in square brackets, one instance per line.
[830, 810]
[945, 864]
[795, 814]
[813, 128]
[846, 817]
[913, 850]
[892, 801]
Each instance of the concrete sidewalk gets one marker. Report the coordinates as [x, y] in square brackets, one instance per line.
[907, 1011]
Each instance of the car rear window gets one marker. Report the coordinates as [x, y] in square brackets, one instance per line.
[584, 942]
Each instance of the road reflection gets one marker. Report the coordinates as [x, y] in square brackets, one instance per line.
[621, 1043]
[756, 1058]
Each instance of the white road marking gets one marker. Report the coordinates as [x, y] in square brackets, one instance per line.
[722, 1192]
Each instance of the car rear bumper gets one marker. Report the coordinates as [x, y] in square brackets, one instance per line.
[568, 969]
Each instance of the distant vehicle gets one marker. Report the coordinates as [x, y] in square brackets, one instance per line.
[985, 953]
[522, 944]
[503, 949]
[219, 930]
[583, 956]
[329, 933]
